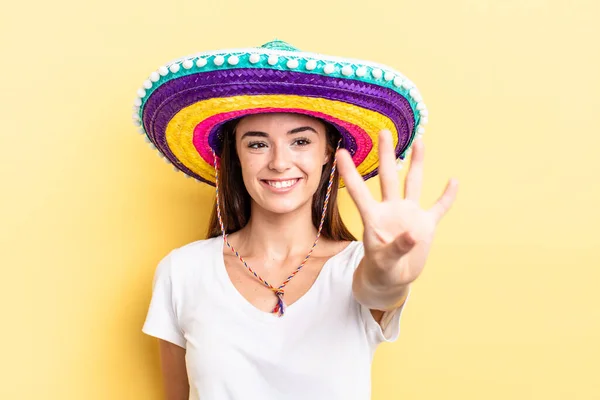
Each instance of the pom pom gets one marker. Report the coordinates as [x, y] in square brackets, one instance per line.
[155, 76]
[292, 64]
[329, 68]
[361, 71]
[201, 62]
[273, 59]
[311, 64]
[174, 68]
[233, 60]
[187, 64]
[254, 58]
[141, 93]
[377, 73]
[163, 71]
[347, 70]
[219, 60]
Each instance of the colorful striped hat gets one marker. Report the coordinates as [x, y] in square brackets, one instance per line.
[182, 106]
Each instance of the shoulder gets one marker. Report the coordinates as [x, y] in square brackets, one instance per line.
[350, 254]
[185, 259]
[205, 248]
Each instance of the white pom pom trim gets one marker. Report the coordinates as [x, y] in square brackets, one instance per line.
[254, 58]
[155, 76]
[311, 64]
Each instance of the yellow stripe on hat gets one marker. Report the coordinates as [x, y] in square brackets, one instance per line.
[180, 130]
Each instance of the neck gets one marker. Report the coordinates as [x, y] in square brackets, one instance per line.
[278, 236]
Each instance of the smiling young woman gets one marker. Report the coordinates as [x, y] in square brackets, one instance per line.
[280, 300]
[236, 211]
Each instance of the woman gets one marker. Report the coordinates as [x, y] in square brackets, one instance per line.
[281, 301]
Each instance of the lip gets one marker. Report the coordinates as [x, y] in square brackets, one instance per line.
[279, 190]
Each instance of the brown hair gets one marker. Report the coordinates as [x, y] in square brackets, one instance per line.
[235, 211]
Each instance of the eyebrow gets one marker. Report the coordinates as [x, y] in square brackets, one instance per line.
[265, 134]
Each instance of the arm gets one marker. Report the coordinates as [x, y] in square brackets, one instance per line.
[172, 359]
[375, 288]
[397, 232]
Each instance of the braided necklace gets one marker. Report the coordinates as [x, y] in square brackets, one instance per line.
[278, 291]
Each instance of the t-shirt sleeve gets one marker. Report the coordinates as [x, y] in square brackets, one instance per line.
[388, 330]
[161, 320]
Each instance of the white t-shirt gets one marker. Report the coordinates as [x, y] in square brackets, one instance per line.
[321, 349]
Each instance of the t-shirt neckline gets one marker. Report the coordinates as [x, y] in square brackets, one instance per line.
[242, 304]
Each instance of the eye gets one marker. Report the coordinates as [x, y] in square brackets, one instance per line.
[302, 142]
[257, 145]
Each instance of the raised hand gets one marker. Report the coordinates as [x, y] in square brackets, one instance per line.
[397, 232]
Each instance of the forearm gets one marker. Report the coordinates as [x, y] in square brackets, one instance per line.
[376, 288]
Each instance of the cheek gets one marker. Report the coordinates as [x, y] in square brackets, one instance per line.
[312, 166]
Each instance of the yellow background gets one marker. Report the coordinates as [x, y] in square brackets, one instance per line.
[508, 305]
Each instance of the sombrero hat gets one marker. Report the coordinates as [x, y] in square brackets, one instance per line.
[182, 106]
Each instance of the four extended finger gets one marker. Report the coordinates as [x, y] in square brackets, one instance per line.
[414, 177]
[388, 174]
[441, 207]
[357, 188]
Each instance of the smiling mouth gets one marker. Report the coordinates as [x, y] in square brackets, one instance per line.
[281, 184]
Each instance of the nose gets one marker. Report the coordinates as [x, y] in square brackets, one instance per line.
[281, 159]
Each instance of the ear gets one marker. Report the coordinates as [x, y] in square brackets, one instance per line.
[326, 159]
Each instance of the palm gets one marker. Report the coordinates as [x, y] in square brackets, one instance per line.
[397, 231]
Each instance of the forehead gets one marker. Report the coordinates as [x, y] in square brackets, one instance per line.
[278, 122]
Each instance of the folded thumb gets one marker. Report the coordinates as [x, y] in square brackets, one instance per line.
[401, 245]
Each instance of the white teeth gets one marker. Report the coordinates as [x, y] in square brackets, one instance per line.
[282, 184]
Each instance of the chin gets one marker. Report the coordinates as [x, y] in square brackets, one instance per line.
[282, 206]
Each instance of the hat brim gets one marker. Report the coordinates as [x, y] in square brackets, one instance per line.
[183, 110]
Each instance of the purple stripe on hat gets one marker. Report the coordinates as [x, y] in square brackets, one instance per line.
[179, 93]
